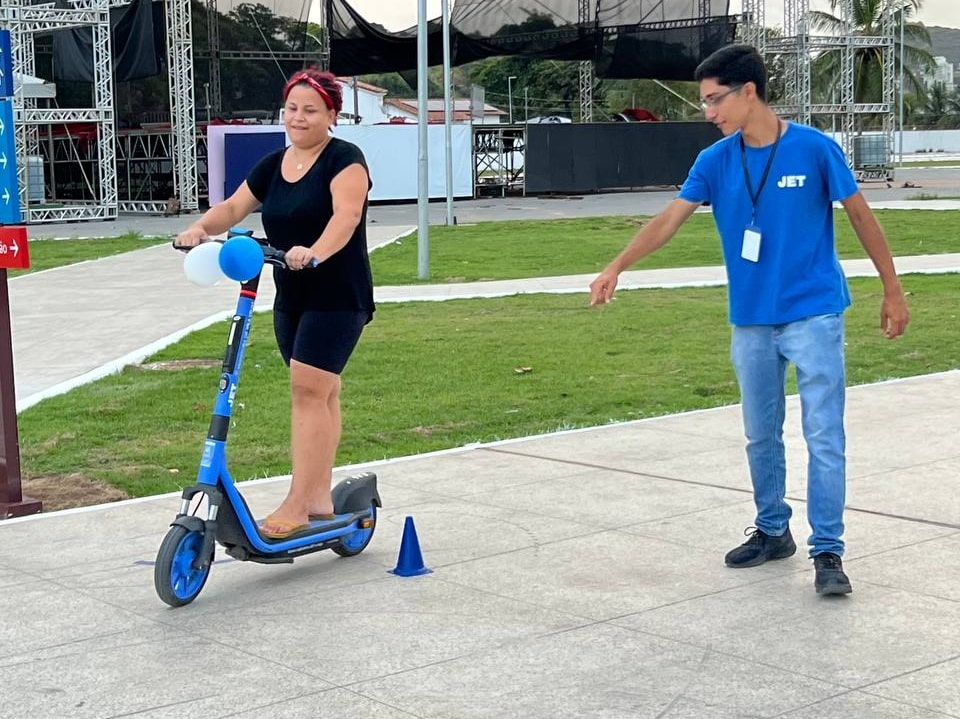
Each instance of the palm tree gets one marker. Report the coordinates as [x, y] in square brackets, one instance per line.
[867, 21]
[954, 104]
[937, 104]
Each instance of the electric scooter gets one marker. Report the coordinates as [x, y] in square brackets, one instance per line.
[187, 552]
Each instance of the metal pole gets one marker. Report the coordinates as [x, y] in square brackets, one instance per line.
[510, 96]
[447, 112]
[902, 23]
[12, 501]
[423, 174]
[526, 105]
[356, 102]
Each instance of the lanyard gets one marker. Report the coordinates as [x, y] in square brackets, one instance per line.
[754, 198]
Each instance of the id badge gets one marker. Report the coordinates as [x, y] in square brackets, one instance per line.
[751, 244]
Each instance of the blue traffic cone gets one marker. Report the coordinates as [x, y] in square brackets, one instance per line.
[410, 561]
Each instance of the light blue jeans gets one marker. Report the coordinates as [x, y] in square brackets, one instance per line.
[760, 357]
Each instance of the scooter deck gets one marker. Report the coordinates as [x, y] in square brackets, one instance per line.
[245, 553]
[354, 496]
[341, 521]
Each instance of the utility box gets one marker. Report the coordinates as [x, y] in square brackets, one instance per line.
[35, 179]
[871, 157]
[870, 151]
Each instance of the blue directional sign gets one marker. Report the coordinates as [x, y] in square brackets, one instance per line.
[9, 187]
[6, 65]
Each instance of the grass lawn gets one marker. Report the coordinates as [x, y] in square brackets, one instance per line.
[932, 196]
[930, 163]
[516, 249]
[428, 376]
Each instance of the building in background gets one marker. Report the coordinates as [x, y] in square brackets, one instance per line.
[373, 107]
[942, 72]
[368, 105]
[407, 111]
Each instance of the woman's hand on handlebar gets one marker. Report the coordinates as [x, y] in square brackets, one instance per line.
[190, 237]
[299, 257]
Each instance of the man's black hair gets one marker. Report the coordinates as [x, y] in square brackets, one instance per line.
[735, 65]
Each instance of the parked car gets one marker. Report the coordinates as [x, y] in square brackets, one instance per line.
[635, 114]
[549, 120]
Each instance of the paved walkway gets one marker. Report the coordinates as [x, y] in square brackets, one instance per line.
[81, 322]
[576, 574]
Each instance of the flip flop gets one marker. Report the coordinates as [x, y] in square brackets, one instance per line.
[321, 517]
[289, 528]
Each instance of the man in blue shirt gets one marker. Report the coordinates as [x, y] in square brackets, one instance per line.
[772, 185]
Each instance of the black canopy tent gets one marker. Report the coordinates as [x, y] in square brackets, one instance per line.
[639, 39]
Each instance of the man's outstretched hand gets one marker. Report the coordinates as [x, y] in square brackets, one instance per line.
[603, 287]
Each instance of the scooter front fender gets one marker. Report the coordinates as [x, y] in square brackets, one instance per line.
[190, 523]
[207, 529]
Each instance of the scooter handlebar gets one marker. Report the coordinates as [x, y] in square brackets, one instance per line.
[271, 255]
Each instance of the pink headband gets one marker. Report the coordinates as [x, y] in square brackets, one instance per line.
[304, 77]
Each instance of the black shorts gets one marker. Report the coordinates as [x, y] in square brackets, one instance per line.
[324, 339]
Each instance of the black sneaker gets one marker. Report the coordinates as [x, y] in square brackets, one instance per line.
[830, 578]
[760, 548]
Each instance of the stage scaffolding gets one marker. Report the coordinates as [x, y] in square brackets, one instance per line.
[177, 149]
[869, 155]
[25, 19]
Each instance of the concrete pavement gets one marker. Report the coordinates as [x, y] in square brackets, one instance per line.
[576, 574]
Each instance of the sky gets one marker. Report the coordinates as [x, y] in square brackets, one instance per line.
[400, 14]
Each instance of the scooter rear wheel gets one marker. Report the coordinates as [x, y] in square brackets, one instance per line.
[355, 542]
[176, 577]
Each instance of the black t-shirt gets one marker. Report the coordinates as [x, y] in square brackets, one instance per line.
[296, 213]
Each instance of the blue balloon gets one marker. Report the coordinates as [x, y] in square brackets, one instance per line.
[241, 258]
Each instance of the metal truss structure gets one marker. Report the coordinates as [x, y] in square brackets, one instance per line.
[498, 153]
[871, 155]
[752, 25]
[586, 90]
[25, 19]
[215, 94]
[183, 121]
[324, 38]
[144, 169]
[587, 17]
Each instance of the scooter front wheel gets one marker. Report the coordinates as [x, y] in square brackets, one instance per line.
[355, 542]
[179, 573]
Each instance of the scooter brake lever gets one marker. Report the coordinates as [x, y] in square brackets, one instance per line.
[185, 249]
[273, 256]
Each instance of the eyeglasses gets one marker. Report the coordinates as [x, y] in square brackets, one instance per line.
[708, 102]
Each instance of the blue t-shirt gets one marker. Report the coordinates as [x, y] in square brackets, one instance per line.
[798, 273]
